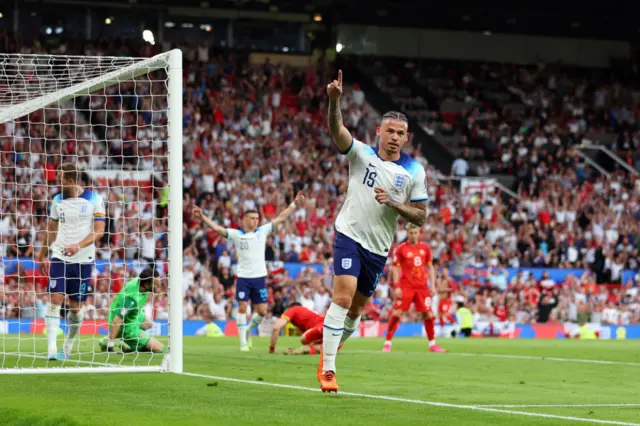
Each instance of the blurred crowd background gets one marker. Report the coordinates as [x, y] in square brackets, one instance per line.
[255, 134]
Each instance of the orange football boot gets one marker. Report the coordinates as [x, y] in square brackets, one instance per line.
[327, 379]
[328, 382]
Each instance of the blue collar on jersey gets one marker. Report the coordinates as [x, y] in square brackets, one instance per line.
[86, 194]
[403, 161]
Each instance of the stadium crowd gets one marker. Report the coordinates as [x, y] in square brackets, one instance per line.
[254, 135]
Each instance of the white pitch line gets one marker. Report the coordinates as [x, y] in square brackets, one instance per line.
[416, 401]
[530, 357]
[548, 358]
[556, 405]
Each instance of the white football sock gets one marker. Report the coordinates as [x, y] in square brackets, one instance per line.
[432, 343]
[255, 321]
[52, 325]
[331, 335]
[350, 326]
[242, 329]
[75, 321]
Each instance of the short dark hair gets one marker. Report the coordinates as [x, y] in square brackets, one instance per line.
[294, 304]
[147, 276]
[69, 172]
[246, 212]
[395, 115]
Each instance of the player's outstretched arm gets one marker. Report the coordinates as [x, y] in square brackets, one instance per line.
[297, 204]
[276, 333]
[199, 215]
[340, 134]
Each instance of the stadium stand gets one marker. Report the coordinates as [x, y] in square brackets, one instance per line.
[246, 118]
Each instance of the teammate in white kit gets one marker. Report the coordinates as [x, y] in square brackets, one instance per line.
[384, 183]
[250, 244]
[76, 222]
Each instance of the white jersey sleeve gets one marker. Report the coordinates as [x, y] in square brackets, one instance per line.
[99, 211]
[266, 229]
[53, 214]
[357, 151]
[419, 185]
[233, 235]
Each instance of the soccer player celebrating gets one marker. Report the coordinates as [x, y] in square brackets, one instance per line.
[250, 245]
[127, 320]
[384, 183]
[76, 222]
[413, 259]
[308, 322]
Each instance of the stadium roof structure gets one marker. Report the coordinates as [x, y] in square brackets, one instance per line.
[614, 19]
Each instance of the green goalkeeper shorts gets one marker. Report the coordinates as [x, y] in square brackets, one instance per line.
[135, 337]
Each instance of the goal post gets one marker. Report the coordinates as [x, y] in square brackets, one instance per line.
[120, 120]
[175, 212]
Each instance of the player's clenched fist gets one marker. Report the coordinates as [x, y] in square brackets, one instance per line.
[300, 200]
[197, 213]
[381, 195]
[334, 89]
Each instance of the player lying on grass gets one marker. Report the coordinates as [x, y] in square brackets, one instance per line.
[307, 322]
[250, 244]
[126, 316]
[412, 260]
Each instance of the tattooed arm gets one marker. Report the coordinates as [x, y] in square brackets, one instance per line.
[340, 134]
[414, 212]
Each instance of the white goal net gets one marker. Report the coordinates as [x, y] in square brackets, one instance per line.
[118, 121]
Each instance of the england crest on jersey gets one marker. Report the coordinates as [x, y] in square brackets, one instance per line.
[399, 181]
[346, 263]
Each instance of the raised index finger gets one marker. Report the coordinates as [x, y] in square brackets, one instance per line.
[340, 78]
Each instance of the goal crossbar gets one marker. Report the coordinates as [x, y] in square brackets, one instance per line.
[89, 86]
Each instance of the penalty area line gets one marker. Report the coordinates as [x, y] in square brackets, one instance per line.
[414, 401]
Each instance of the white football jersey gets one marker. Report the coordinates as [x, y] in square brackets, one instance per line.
[361, 217]
[75, 217]
[250, 247]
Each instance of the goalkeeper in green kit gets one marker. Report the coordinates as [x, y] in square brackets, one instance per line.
[127, 319]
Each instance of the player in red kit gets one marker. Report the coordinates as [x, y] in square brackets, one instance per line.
[413, 258]
[308, 322]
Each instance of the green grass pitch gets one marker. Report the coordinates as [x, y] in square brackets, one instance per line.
[481, 381]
